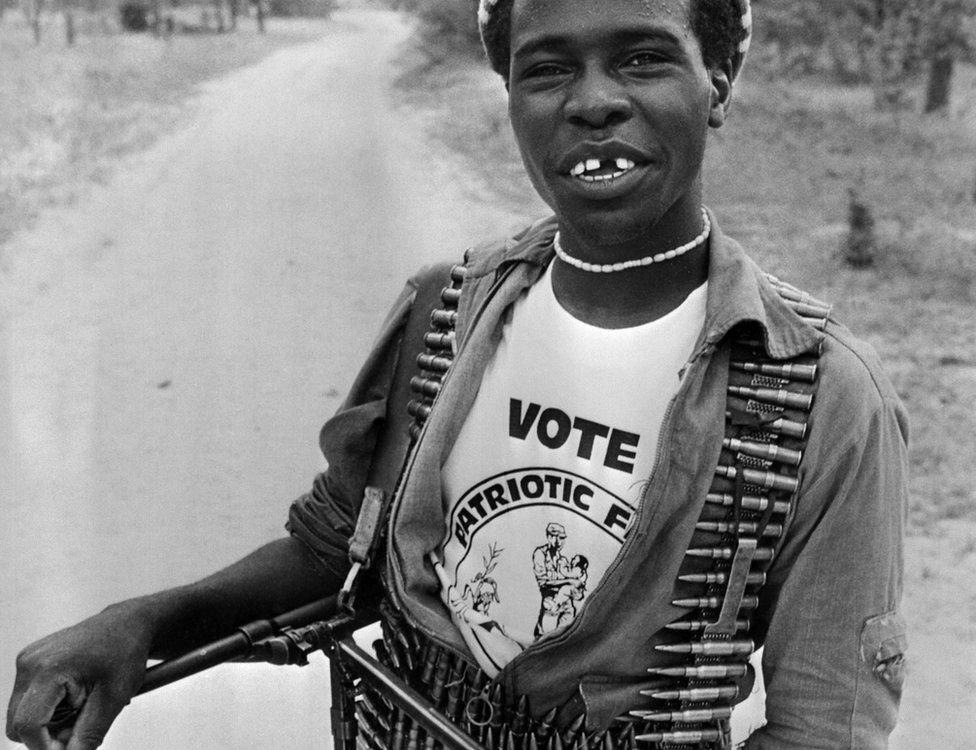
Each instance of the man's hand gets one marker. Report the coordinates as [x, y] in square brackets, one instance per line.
[91, 671]
[88, 672]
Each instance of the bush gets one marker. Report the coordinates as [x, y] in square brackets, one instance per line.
[134, 15]
[451, 21]
[302, 8]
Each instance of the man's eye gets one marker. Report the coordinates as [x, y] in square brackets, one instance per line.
[643, 60]
[545, 70]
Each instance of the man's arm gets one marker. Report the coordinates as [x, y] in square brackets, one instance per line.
[834, 649]
[99, 664]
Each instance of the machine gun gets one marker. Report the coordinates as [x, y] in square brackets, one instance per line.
[289, 639]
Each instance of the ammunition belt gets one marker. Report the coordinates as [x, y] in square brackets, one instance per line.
[735, 540]
[731, 550]
[440, 346]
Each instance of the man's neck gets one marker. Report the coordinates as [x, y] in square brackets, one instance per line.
[623, 299]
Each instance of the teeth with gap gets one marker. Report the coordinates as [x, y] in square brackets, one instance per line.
[591, 165]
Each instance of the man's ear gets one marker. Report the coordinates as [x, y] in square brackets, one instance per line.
[721, 80]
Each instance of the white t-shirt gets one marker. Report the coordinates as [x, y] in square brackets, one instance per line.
[544, 479]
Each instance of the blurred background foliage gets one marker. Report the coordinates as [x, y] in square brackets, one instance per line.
[882, 42]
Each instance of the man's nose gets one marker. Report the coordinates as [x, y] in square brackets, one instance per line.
[597, 101]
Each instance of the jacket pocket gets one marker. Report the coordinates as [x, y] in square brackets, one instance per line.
[880, 677]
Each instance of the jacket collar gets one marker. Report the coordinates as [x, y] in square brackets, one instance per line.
[738, 290]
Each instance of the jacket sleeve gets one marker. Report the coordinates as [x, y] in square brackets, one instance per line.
[834, 648]
[324, 518]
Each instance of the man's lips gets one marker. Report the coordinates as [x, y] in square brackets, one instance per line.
[598, 170]
[606, 185]
[601, 161]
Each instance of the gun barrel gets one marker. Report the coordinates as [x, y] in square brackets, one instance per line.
[235, 646]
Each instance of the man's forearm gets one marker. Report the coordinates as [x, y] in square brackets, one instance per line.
[277, 577]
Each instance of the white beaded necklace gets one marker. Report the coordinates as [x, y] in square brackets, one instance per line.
[646, 261]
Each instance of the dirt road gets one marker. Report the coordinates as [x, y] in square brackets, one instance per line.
[171, 345]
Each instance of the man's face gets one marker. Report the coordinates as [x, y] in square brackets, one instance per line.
[610, 103]
[556, 542]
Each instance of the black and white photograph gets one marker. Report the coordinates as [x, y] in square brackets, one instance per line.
[488, 374]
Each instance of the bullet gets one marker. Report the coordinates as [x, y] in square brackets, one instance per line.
[531, 743]
[694, 625]
[373, 726]
[382, 654]
[628, 739]
[373, 710]
[413, 737]
[710, 648]
[767, 479]
[546, 724]
[429, 387]
[804, 373]
[431, 659]
[440, 678]
[418, 410]
[691, 715]
[715, 602]
[443, 318]
[764, 451]
[555, 742]
[458, 273]
[703, 672]
[752, 579]
[777, 396]
[455, 687]
[392, 649]
[762, 554]
[781, 426]
[520, 722]
[398, 739]
[497, 700]
[681, 738]
[408, 655]
[749, 502]
[574, 730]
[372, 739]
[439, 341]
[695, 695]
[787, 427]
[745, 528]
[434, 362]
[450, 296]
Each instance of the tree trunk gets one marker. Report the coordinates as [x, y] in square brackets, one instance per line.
[259, 6]
[69, 27]
[35, 7]
[940, 83]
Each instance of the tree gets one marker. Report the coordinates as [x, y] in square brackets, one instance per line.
[951, 35]
[887, 43]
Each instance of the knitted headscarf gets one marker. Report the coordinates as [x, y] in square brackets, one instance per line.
[491, 11]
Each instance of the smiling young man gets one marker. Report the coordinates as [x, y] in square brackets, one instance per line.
[645, 458]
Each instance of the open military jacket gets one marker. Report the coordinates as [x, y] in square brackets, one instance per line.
[828, 619]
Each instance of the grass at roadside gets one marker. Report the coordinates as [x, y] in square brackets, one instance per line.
[68, 114]
[778, 176]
